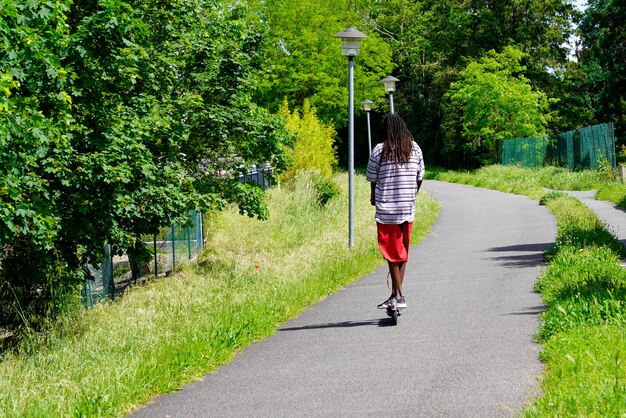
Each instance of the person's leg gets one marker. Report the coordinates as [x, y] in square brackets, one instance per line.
[406, 228]
[396, 270]
[393, 241]
[402, 270]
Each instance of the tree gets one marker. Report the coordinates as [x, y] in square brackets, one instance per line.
[35, 156]
[314, 148]
[495, 102]
[433, 40]
[603, 58]
[121, 116]
[303, 61]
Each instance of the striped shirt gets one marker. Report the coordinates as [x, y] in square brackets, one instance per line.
[396, 185]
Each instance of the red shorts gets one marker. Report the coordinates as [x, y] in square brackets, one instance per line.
[393, 241]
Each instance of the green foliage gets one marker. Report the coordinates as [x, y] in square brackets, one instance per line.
[35, 160]
[326, 189]
[173, 331]
[572, 83]
[314, 148]
[433, 41]
[550, 196]
[494, 102]
[582, 286]
[604, 58]
[579, 228]
[621, 154]
[117, 118]
[303, 61]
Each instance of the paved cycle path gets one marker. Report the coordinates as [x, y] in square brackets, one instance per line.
[462, 348]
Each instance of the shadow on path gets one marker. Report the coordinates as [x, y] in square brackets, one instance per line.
[520, 261]
[533, 310]
[383, 322]
[523, 247]
[533, 258]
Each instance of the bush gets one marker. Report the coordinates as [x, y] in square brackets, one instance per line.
[326, 189]
[314, 148]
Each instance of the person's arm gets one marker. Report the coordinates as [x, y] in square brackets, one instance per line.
[420, 169]
[373, 194]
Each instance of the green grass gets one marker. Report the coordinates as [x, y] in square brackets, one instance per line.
[524, 181]
[584, 327]
[533, 182]
[613, 192]
[252, 277]
[586, 374]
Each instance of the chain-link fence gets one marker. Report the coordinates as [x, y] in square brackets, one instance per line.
[170, 247]
[587, 147]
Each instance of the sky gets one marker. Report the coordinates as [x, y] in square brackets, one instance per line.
[580, 4]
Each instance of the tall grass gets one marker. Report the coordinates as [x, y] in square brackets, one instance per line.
[251, 278]
[584, 327]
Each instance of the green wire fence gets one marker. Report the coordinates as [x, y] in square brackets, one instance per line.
[170, 247]
[587, 147]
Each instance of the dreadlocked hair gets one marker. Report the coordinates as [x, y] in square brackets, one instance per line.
[398, 143]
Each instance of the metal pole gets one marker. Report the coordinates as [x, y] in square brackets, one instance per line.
[391, 102]
[202, 229]
[173, 248]
[156, 272]
[369, 133]
[112, 282]
[189, 242]
[351, 151]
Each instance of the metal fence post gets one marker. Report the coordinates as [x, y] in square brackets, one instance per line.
[189, 242]
[173, 248]
[156, 266]
[112, 281]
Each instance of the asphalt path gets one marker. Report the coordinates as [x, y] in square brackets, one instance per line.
[462, 348]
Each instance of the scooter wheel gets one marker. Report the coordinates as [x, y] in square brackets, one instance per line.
[394, 317]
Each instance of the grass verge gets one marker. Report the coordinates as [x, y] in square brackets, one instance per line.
[252, 277]
[584, 327]
[524, 181]
[613, 192]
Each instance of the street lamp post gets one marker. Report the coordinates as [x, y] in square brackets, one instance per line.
[350, 45]
[390, 86]
[367, 105]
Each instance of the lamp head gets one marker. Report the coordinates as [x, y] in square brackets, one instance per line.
[367, 105]
[390, 83]
[350, 41]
